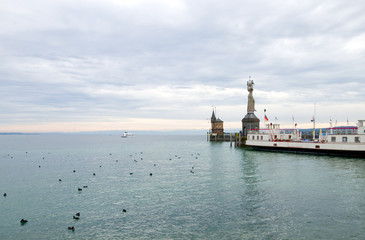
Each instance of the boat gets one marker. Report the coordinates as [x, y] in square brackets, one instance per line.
[127, 134]
[333, 141]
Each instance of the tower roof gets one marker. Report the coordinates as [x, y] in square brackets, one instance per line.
[213, 118]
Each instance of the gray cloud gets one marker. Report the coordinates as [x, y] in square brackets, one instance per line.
[101, 60]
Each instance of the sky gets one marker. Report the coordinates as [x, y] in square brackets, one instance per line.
[92, 65]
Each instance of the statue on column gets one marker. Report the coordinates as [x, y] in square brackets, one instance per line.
[251, 100]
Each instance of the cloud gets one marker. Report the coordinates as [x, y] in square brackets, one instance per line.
[109, 61]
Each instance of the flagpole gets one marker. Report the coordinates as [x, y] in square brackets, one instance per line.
[314, 123]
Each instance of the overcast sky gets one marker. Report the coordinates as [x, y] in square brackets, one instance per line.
[83, 65]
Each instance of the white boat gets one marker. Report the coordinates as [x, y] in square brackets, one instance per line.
[345, 141]
[127, 134]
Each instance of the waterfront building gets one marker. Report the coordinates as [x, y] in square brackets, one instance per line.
[216, 125]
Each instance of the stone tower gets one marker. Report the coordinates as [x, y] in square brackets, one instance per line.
[250, 121]
[217, 125]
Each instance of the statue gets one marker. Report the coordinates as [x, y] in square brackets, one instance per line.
[251, 100]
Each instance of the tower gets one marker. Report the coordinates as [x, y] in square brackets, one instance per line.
[217, 125]
[250, 121]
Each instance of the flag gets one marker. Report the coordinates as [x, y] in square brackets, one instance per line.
[266, 119]
[313, 120]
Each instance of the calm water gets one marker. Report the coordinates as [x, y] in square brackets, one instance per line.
[198, 190]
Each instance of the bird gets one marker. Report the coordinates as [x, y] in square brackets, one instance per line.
[124, 210]
[84, 186]
[4, 195]
[23, 221]
[94, 174]
[150, 174]
[78, 214]
[76, 218]
[80, 189]
[71, 228]
[60, 180]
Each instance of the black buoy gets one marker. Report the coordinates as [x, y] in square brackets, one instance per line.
[23, 221]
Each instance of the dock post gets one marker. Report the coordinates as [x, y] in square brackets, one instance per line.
[230, 139]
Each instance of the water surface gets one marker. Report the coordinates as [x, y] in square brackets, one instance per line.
[198, 190]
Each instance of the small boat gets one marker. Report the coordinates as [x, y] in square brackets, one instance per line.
[127, 134]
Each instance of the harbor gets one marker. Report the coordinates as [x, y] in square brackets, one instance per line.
[334, 141]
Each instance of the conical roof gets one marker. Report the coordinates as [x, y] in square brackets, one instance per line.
[213, 118]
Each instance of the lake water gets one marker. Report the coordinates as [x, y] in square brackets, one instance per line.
[198, 190]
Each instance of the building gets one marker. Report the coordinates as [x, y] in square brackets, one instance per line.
[216, 125]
